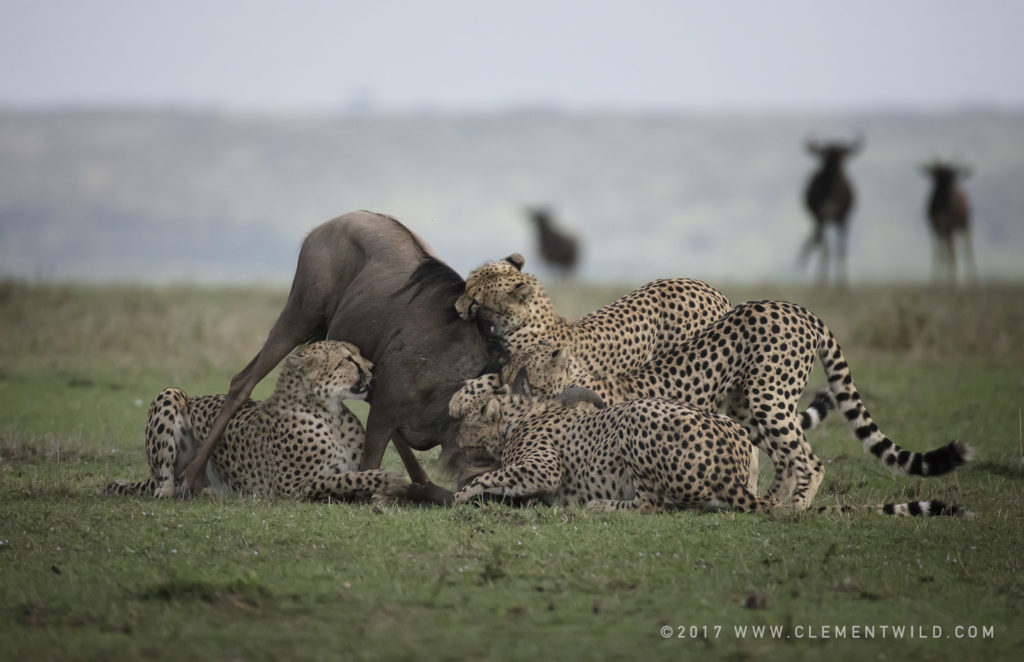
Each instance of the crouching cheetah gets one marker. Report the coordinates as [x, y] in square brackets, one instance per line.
[301, 442]
[619, 337]
[645, 455]
[755, 361]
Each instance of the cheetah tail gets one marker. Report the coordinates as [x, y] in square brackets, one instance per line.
[911, 509]
[140, 488]
[823, 403]
[933, 463]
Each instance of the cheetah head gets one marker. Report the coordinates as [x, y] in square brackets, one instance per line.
[540, 369]
[498, 293]
[479, 430]
[474, 393]
[329, 372]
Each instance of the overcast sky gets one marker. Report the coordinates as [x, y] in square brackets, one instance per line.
[257, 55]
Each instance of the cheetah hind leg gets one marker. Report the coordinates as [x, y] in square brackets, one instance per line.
[169, 445]
[355, 485]
[804, 474]
[798, 471]
[644, 503]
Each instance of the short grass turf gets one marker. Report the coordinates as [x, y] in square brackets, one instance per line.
[85, 576]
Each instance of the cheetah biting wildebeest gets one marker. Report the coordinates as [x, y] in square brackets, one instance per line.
[646, 455]
[755, 360]
[619, 337]
[301, 442]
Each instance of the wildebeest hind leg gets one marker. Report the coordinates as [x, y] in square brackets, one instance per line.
[377, 437]
[291, 328]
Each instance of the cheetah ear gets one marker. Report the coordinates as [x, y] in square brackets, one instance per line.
[491, 412]
[303, 362]
[516, 260]
[560, 358]
[521, 291]
[300, 357]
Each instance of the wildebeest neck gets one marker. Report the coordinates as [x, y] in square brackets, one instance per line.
[442, 283]
[440, 286]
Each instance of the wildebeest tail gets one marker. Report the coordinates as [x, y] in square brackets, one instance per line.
[933, 463]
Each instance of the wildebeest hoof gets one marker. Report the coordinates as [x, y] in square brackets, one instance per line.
[430, 493]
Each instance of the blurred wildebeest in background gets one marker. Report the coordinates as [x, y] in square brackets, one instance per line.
[949, 215]
[367, 279]
[558, 249]
[829, 199]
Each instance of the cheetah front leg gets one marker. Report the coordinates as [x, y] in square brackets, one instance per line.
[644, 503]
[514, 480]
[354, 485]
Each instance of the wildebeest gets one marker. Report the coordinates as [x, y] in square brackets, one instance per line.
[367, 279]
[949, 215]
[829, 199]
[557, 248]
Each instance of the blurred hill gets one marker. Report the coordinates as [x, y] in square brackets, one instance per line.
[162, 195]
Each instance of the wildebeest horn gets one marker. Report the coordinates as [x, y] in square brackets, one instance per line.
[577, 394]
[521, 384]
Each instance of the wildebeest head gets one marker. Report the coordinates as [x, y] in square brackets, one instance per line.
[833, 153]
[945, 173]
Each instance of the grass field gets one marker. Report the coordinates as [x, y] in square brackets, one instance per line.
[83, 576]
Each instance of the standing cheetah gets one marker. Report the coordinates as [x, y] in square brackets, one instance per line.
[301, 442]
[645, 455]
[755, 360]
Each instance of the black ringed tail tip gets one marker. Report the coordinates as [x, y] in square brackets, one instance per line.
[946, 459]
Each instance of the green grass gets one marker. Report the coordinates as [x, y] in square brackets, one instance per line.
[83, 576]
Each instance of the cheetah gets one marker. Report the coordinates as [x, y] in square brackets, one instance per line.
[644, 455]
[755, 360]
[619, 337]
[540, 362]
[301, 442]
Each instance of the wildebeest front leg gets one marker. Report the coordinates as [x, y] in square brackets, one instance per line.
[378, 433]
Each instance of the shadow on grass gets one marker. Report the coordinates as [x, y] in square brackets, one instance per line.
[238, 593]
[1002, 469]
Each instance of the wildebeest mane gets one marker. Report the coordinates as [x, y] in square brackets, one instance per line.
[433, 274]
